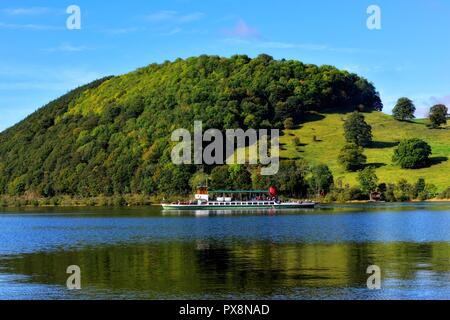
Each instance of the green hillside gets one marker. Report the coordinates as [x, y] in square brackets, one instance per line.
[387, 132]
[112, 137]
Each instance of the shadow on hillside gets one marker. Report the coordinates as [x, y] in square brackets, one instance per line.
[410, 121]
[438, 128]
[437, 160]
[301, 145]
[375, 165]
[382, 145]
[290, 158]
[310, 117]
[345, 111]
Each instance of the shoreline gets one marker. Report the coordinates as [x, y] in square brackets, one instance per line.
[110, 204]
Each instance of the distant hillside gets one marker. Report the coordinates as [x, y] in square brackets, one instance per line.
[112, 136]
[328, 130]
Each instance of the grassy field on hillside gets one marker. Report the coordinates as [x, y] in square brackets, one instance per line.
[329, 139]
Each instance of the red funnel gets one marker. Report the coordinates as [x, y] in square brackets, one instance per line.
[273, 191]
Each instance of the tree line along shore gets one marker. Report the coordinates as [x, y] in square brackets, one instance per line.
[108, 143]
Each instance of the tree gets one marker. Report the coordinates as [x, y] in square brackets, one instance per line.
[321, 179]
[240, 177]
[412, 154]
[290, 179]
[198, 179]
[357, 130]
[438, 115]
[220, 178]
[368, 180]
[404, 109]
[404, 191]
[419, 187]
[352, 157]
[124, 145]
[288, 124]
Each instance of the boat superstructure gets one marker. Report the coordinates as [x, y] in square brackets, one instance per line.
[236, 200]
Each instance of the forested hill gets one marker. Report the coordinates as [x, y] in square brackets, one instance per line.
[112, 136]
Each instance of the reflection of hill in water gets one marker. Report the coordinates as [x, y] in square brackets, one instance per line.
[209, 268]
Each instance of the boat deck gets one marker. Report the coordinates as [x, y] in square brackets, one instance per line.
[215, 205]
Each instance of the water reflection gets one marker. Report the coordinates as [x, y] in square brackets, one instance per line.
[215, 213]
[148, 254]
[213, 268]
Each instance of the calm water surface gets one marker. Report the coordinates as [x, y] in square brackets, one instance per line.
[144, 253]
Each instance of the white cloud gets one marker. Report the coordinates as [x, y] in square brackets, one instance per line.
[191, 17]
[65, 47]
[162, 16]
[440, 100]
[35, 27]
[243, 34]
[44, 78]
[423, 102]
[262, 44]
[120, 31]
[17, 81]
[172, 32]
[174, 17]
[26, 11]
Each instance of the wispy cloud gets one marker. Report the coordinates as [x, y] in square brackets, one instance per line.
[422, 101]
[172, 32]
[66, 47]
[243, 34]
[24, 88]
[26, 11]
[35, 27]
[440, 100]
[174, 17]
[242, 31]
[263, 44]
[169, 23]
[121, 31]
[61, 79]
[191, 17]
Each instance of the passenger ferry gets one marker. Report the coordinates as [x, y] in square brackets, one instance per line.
[228, 200]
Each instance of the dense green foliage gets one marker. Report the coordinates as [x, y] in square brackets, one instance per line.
[412, 154]
[368, 180]
[391, 192]
[404, 109]
[357, 130]
[321, 180]
[438, 115]
[445, 194]
[352, 157]
[113, 136]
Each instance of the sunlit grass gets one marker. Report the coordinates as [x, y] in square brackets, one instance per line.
[321, 141]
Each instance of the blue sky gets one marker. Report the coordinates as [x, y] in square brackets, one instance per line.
[40, 59]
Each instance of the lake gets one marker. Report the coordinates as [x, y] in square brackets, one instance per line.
[144, 253]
